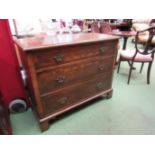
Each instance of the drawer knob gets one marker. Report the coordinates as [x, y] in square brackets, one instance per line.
[58, 58]
[101, 67]
[62, 100]
[60, 79]
[102, 50]
[100, 85]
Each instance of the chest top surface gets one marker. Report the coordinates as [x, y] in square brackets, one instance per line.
[40, 42]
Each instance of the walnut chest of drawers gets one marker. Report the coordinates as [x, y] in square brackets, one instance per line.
[66, 70]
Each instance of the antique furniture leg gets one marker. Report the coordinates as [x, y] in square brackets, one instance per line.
[109, 94]
[44, 125]
[141, 67]
[148, 72]
[119, 64]
[130, 72]
[125, 42]
[130, 65]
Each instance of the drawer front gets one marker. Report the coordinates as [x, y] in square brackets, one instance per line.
[58, 56]
[69, 74]
[75, 94]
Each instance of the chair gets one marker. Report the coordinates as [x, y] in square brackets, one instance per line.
[95, 27]
[105, 28]
[145, 55]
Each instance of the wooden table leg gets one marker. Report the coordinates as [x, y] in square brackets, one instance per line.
[125, 42]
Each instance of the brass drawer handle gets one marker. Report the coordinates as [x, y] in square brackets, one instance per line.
[101, 67]
[58, 58]
[62, 100]
[60, 79]
[100, 85]
[102, 50]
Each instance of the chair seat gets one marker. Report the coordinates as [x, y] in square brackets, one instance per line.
[128, 54]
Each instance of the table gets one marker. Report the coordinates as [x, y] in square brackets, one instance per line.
[122, 26]
[117, 25]
[125, 35]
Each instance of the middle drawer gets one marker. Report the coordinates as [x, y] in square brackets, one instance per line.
[69, 74]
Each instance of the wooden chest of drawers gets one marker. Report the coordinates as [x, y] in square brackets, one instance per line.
[67, 70]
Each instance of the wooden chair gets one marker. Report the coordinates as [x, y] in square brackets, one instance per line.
[105, 28]
[95, 27]
[145, 55]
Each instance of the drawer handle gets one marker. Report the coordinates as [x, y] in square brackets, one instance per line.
[102, 50]
[62, 100]
[100, 85]
[101, 67]
[58, 58]
[60, 79]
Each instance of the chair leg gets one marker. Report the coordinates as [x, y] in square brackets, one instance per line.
[130, 65]
[142, 65]
[148, 72]
[130, 71]
[119, 64]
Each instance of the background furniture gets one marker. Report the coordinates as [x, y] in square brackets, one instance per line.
[105, 28]
[5, 127]
[67, 70]
[95, 27]
[121, 24]
[139, 25]
[125, 35]
[79, 22]
[145, 55]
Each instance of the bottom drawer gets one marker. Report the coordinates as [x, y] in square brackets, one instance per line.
[76, 93]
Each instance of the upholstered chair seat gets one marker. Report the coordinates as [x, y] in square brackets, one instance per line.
[128, 54]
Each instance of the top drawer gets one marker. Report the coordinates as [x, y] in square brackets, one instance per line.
[58, 56]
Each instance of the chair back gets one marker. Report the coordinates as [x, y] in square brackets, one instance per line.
[148, 49]
[105, 28]
[95, 27]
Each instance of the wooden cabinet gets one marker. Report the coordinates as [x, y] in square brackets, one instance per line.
[67, 70]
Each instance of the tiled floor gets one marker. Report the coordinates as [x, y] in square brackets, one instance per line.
[130, 111]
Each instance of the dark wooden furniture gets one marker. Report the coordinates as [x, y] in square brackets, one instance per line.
[5, 127]
[125, 35]
[145, 55]
[67, 70]
[124, 25]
